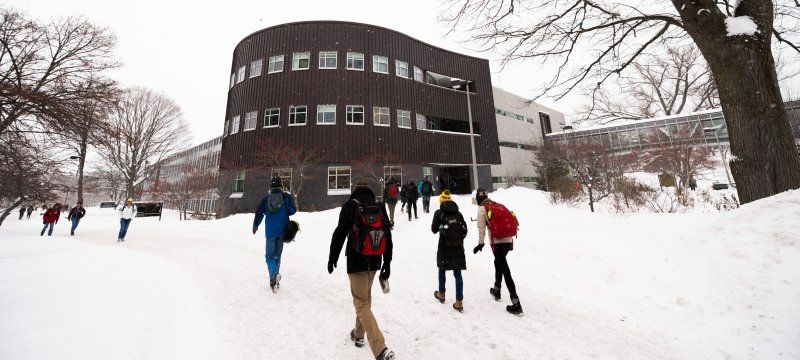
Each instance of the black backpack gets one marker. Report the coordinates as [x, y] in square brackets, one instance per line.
[455, 230]
[369, 231]
[275, 202]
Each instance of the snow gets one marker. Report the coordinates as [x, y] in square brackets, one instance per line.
[592, 285]
[740, 25]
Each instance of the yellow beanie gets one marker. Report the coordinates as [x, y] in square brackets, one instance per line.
[445, 196]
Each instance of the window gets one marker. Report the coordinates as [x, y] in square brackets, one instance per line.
[544, 121]
[338, 180]
[355, 115]
[355, 61]
[395, 172]
[272, 117]
[401, 69]
[326, 114]
[286, 177]
[250, 120]
[297, 115]
[418, 74]
[380, 116]
[235, 124]
[255, 68]
[225, 130]
[421, 121]
[301, 60]
[240, 75]
[275, 64]
[404, 119]
[380, 64]
[238, 183]
[233, 81]
[327, 59]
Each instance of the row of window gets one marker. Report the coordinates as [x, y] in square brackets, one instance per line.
[327, 60]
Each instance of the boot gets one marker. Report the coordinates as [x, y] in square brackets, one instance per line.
[458, 306]
[439, 296]
[495, 293]
[515, 307]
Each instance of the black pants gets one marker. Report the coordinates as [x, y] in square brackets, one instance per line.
[502, 270]
[410, 204]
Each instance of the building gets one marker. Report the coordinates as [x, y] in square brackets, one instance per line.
[196, 167]
[325, 103]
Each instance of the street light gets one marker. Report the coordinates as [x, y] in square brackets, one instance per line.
[457, 83]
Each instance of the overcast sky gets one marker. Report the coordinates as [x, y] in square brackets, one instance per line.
[185, 49]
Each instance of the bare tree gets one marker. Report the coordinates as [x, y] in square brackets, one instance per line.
[596, 41]
[681, 158]
[43, 67]
[146, 128]
[282, 156]
[28, 174]
[194, 182]
[371, 167]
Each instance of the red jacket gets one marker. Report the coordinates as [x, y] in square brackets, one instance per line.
[51, 216]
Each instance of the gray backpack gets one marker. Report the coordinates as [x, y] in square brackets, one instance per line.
[275, 202]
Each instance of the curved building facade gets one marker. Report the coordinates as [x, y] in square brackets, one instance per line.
[325, 103]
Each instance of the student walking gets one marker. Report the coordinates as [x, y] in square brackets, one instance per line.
[30, 211]
[412, 194]
[75, 215]
[452, 229]
[363, 261]
[274, 209]
[126, 212]
[390, 194]
[50, 218]
[21, 212]
[426, 189]
[501, 245]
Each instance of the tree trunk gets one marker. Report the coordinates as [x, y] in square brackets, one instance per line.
[765, 160]
[81, 164]
[8, 210]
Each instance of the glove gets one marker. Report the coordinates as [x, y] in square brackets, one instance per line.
[331, 266]
[385, 271]
[254, 230]
[477, 248]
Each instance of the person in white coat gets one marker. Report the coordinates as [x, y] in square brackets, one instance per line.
[126, 213]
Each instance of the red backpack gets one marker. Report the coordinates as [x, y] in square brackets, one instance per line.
[502, 222]
[393, 191]
[368, 233]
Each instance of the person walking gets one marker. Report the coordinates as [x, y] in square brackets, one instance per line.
[412, 194]
[274, 209]
[75, 215]
[126, 212]
[361, 269]
[426, 189]
[403, 195]
[21, 212]
[30, 211]
[390, 194]
[452, 229]
[50, 218]
[500, 248]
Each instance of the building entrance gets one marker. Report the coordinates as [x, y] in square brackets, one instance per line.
[456, 179]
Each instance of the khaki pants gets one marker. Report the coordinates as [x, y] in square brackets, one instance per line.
[361, 289]
[391, 211]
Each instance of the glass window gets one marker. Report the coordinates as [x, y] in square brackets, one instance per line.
[297, 115]
[255, 68]
[380, 64]
[301, 60]
[326, 114]
[418, 74]
[395, 172]
[235, 124]
[275, 64]
[421, 121]
[240, 75]
[355, 61]
[327, 59]
[250, 120]
[338, 178]
[427, 172]
[404, 119]
[286, 176]
[401, 68]
[233, 81]
[544, 120]
[272, 117]
[238, 183]
[355, 115]
[380, 116]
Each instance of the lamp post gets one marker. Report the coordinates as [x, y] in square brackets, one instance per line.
[456, 83]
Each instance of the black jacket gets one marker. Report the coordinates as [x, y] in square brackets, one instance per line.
[76, 212]
[448, 257]
[355, 261]
[411, 192]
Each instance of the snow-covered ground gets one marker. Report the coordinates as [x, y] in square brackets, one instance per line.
[593, 286]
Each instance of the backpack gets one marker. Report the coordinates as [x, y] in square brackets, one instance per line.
[454, 229]
[368, 233]
[275, 202]
[289, 233]
[393, 191]
[502, 222]
[426, 188]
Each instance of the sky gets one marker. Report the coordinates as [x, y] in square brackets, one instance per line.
[699, 285]
[185, 49]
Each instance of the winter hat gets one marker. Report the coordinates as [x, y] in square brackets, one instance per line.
[480, 195]
[276, 182]
[445, 196]
[130, 199]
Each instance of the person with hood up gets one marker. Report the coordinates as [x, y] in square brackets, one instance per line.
[274, 209]
[50, 218]
[412, 194]
[451, 227]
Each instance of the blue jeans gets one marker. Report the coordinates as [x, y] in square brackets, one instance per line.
[123, 227]
[75, 221]
[459, 283]
[274, 249]
[49, 232]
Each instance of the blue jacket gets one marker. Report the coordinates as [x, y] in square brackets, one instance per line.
[274, 223]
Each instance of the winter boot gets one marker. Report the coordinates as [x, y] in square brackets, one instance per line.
[458, 306]
[273, 287]
[357, 341]
[439, 296]
[515, 308]
[386, 354]
[278, 280]
[495, 293]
